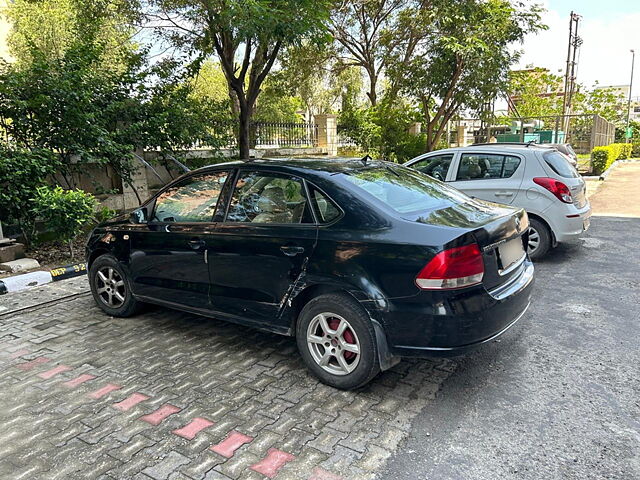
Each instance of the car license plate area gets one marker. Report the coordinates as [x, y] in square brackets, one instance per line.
[510, 254]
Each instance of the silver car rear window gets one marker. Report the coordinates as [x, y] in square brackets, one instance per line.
[559, 164]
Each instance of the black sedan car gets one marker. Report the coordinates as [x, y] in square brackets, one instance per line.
[362, 261]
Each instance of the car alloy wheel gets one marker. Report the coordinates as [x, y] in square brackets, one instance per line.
[333, 343]
[110, 287]
[534, 241]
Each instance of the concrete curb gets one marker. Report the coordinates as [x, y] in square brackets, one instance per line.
[606, 173]
[41, 277]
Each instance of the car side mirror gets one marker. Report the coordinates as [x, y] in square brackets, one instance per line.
[139, 215]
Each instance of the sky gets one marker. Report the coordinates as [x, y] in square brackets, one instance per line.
[609, 29]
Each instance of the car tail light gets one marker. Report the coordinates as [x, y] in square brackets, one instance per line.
[559, 189]
[453, 268]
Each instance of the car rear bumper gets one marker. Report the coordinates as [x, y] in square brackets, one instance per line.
[463, 321]
[571, 224]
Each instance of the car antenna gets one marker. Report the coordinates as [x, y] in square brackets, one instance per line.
[365, 159]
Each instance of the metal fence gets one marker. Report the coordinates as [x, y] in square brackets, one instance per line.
[281, 134]
[269, 135]
[583, 132]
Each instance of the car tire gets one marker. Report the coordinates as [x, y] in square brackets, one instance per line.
[539, 239]
[330, 329]
[111, 287]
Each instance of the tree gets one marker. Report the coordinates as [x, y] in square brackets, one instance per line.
[247, 38]
[366, 29]
[50, 27]
[463, 61]
[536, 92]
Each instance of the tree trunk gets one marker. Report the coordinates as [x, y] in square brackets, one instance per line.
[373, 81]
[244, 131]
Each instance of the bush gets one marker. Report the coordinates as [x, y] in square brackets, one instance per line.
[64, 212]
[383, 131]
[21, 173]
[603, 157]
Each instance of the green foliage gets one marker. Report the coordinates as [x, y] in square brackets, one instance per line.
[88, 112]
[69, 107]
[102, 214]
[22, 172]
[64, 212]
[275, 104]
[538, 93]
[383, 131]
[246, 36]
[50, 27]
[527, 88]
[603, 157]
[464, 59]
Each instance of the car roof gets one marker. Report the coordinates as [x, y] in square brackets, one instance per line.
[493, 146]
[314, 164]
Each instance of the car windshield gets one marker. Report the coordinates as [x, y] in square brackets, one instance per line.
[405, 190]
[560, 164]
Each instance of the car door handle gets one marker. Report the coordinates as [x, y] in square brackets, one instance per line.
[196, 244]
[291, 250]
[503, 194]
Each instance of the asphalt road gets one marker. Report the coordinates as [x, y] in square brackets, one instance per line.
[558, 396]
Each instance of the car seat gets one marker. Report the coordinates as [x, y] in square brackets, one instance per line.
[273, 207]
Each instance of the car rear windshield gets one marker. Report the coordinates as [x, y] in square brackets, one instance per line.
[560, 164]
[405, 190]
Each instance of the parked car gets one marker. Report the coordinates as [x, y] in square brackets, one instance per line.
[534, 177]
[567, 150]
[362, 261]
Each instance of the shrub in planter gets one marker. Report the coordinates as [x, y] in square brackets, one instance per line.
[603, 157]
[21, 173]
[64, 212]
[625, 151]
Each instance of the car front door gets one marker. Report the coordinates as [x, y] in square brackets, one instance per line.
[168, 260]
[261, 247]
[489, 176]
[435, 165]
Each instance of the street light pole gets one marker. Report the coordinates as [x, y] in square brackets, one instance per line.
[633, 61]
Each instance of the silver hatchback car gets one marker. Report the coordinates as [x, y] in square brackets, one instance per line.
[538, 179]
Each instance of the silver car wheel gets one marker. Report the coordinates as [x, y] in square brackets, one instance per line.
[110, 287]
[534, 241]
[333, 343]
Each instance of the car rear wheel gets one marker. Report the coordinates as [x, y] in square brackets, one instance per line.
[337, 341]
[110, 287]
[539, 239]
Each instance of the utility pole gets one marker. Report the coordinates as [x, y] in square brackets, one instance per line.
[570, 73]
[626, 130]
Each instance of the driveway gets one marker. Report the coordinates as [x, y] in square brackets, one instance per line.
[557, 396]
[170, 395]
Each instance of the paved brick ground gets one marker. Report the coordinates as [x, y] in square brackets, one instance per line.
[167, 395]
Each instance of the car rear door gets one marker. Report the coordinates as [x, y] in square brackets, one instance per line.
[260, 249]
[493, 176]
[169, 254]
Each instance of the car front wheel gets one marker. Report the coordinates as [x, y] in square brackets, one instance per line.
[337, 341]
[110, 287]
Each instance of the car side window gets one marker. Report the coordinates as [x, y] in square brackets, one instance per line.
[325, 208]
[260, 197]
[193, 200]
[435, 166]
[482, 166]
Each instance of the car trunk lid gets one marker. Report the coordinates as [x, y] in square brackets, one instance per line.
[499, 231]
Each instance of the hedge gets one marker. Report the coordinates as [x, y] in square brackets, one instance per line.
[603, 157]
